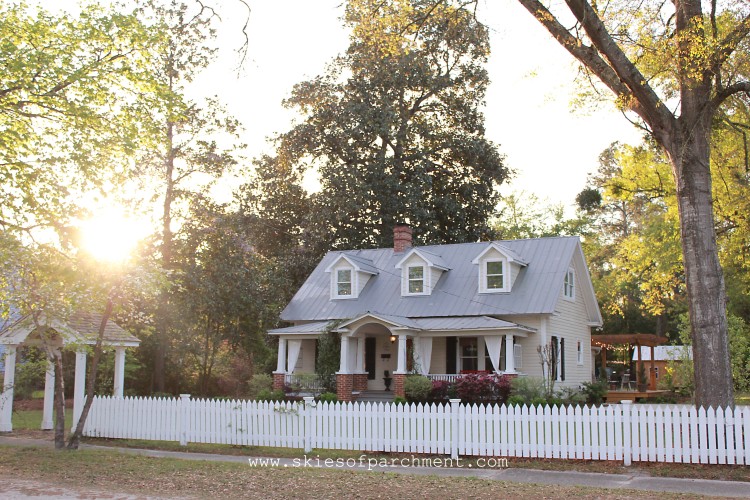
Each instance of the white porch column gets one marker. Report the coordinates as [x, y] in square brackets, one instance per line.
[401, 366]
[6, 398]
[119, 384]
[49, 396]
[80, 386]
[360, 355]
[281, 359]
[344, 358]
[510, 358]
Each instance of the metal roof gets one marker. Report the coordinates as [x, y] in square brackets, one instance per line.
[467, 323]
[79, 328]
[535, 291]
[315, 327]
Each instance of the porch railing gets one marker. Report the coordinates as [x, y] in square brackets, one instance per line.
[304, 382]
[446, 377]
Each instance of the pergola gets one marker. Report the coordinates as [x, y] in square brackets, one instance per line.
[629, 339]
[79, 331]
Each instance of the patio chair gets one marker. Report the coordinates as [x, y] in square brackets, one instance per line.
[626, 382]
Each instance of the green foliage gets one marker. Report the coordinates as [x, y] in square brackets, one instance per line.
[528, 388]
[258, 383]
[595, 392]
[400, 400]
[417, 388]
[329, 357]
[327, 397]
[267, 395]
[515, 400]
[395, 131]
[30, 370]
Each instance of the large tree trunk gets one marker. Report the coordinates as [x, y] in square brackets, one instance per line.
[689, 155]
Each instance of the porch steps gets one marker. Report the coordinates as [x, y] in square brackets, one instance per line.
[375, 396]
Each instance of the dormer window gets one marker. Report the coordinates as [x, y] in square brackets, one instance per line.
[344, 282]
[349, 275]
[416, 279]
[569, 285]
[495, 275]
[498, 268]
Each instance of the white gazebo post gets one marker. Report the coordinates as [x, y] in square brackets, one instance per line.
[281, 359]
[360, 355]
[49, 396]
[80, 386]
[119, 383]
[6, 399]
[510, 358]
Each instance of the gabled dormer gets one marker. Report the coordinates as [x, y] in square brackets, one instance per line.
[420, 272]
[349, 275]
[498, 268]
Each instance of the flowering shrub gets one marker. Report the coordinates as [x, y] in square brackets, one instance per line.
[440, 390]
[483, 388]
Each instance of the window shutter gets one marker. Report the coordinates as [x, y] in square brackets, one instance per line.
[518, 356]
[562, 359]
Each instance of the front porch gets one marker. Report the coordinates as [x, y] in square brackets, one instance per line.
[377, 352]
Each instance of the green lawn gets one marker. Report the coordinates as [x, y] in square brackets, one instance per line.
[32, 419]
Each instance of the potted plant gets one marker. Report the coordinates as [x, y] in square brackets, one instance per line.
[387, 380]
[642, 380]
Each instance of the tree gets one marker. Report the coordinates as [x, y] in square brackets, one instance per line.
[187, 150]
[669, 53]
[395, 130]
[66, 123]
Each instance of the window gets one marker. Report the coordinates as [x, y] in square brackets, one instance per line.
[344, 282]
[416, 279]
[495, 277]
[569, 290]
[468, 351]
[579, 353]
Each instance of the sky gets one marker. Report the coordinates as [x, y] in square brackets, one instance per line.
[550, 145]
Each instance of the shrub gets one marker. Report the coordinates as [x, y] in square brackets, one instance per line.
[483, 388]
[417, 388]
[399, 400]
[440, 390]
[259, 382]
[595, 392]
[569, 396]
[268, 395]
[328, 397]
[528, 388]
[515, 400]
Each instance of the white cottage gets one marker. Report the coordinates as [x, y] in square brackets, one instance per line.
[458, 308]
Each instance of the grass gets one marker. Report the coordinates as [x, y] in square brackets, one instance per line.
[28, 423]
[32, 419]
[117, 472]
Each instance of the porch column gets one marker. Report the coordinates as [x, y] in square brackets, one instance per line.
[49, 396]
[510, 358]
[401, 365]
[281, 358]
[119, 385]
[80, 386]
[6, 398]
[344, 357]
[360, 355]
[279, 376]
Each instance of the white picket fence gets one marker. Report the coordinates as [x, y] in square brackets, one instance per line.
[645, 433]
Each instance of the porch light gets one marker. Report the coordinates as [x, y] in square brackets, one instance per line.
[393, 339]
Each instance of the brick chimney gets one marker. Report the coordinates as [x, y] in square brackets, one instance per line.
[401, 237]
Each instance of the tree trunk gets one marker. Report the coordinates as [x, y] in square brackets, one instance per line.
[703, 274]
[59, 401]
[75, 438]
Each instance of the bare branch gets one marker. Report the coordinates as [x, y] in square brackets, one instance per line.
[727, 92]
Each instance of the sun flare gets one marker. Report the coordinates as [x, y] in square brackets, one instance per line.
[110, 235]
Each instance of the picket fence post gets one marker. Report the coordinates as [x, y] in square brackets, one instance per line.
[455, 431]
[308, 432]
[183, 419]
[627, 445]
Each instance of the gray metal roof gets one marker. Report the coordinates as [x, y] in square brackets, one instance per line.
[466, 323]
[535, 290]
[81, 327]
[362, 263]
[315, 327]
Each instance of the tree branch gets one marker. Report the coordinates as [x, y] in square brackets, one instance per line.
[727, 92]
[731, 41]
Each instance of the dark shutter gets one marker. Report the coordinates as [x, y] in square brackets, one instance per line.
[554, 356]
[562, 359]
[450, 355]
[370, 357]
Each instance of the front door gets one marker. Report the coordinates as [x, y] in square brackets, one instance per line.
[380, 355]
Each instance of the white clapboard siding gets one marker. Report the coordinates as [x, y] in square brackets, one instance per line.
[639, 433]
